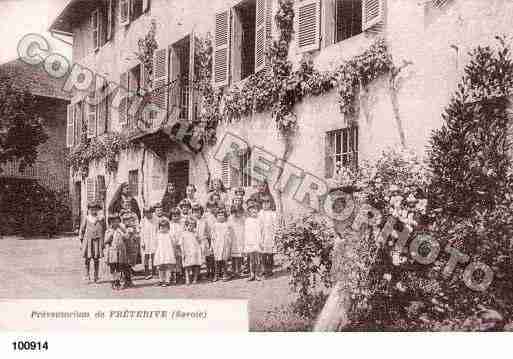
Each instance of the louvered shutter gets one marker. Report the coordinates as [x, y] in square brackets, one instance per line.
[123, 106]
[146, 5]
[101, 100]
[328, 22]
[70, 128]
[90, 190]
[91, 116]
[100, 189]
[160, 78]
[329, 150]
[110, 19]
[221, 48]
[226, 172]
[308, 21]
[193, 99]
[372, 13]
[124, 12]
[260, 34]
[79, 119]
[440, 3]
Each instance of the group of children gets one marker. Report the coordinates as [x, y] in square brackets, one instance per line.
[227, 239]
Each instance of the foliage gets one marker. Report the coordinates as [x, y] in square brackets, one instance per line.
[106, 147]
[307, 244]
[21, 130]
[147, 47]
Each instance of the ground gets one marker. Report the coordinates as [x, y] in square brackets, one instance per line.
[39, 268]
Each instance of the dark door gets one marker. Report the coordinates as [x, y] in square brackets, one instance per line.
[178, 173]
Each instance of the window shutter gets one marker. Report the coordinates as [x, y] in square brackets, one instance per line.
[91, 116]
[146, 5]
[124, 12]
[329, 150]
[193, 100]
[70, 128]
[328, 22]
[372, 13]
[101, 189]
[110, 20]
[95, 28]
[226, 175]
[123, 106]
[440, 3]
[90, 190]
[79, 120]
[160, 78]
[260, 34]
[221, 48]
[308, 21]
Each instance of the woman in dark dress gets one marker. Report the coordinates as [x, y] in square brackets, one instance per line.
[170, 199]
[262, 191]
[122, 195]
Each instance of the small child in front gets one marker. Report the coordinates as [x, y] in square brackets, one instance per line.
[253, 240]
[210, 219]
[116, 249]
[165, 257]
[148, 242]
[237, 223]
[202, 231]
[191, 251]
[269, 220]
[175, 230]
[222, 238]
[91, 235]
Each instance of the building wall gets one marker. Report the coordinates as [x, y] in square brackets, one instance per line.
[436, 42]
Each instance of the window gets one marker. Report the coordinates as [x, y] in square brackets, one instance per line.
[245, 168]
[133, 182]
[341, 149]
[131, 81]
[241, 37]
[95, 29]
[180, 71]
[103, 109]
[130, 10]
[348, 19]
[137, 8]
[101, 189]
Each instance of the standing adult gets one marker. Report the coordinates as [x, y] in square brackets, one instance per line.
[121, 196]
[263, 192]
[170, 199]
[218, 191]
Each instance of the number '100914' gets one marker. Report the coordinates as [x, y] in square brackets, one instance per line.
[29, 345]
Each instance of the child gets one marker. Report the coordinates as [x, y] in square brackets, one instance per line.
[210, 219]
[191, 251]
[190, 193]
[91, 235]
[175, 230]
[202, 231]
[269, 219]
[185, 209]
[165, 256]
[237, 223]
[115, 238]
[130, 222]
[253, 240]
[148, 244]
[222, 238]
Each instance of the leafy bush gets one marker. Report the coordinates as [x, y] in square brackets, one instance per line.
[307, 244]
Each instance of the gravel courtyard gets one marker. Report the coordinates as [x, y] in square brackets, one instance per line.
[53, 269]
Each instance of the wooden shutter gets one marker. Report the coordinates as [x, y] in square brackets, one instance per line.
[160, 78]
[193, 100]
[260, 34]
[100, 188]
[328, 22]
[372, 13]
[133, 182]
[124, 12]
[91, 115]
[123, 106]
[110, 20]
[90, 190]
[95, 28]
[221, 65]
[79, 120]
[146, 5]
[226, 172]
[70, 128]
[329, 150]
[308, 21]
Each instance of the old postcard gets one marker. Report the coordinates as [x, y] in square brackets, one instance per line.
[256, 165]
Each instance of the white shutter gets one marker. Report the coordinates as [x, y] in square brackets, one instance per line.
[160, 78]
[91, 119]
[90, 190]
[95, 28]
[146, 5]
[70, 128]
[123, 106]
[110, 19]
[372, 13]
[226, 172]
[191, 90]
[124, 12]
[440, 3]
[308, 24]
[260, 34]
[328, 22]
[221, 65]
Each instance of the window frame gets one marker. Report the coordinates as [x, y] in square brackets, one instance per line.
[95, 17]
[347, 137]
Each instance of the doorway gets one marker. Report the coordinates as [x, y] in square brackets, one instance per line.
[178, 173]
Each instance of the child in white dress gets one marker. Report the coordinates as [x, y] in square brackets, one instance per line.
[176, 229]
[253, 240]
[210, 219]
[237, 222]
[191, 251]
[202, 232]
[148, 243]
[165, 258]
[269, 219]
[222, 237]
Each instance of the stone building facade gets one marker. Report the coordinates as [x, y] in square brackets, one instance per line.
[429, 40]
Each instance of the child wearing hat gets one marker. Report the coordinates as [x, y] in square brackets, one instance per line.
[91, 235]
[165, 256]
[222, 238]
[116, 259]
[148, 245]
[253, 240]
[191, 251]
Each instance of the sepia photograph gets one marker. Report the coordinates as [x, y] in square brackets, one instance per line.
[265, 165]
